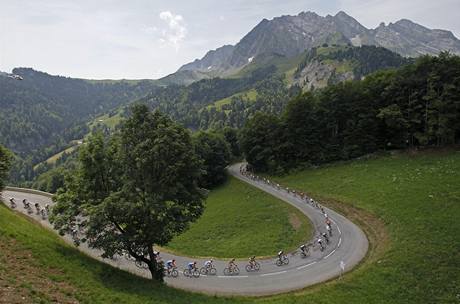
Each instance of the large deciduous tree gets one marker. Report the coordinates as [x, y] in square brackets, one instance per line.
[136, 190]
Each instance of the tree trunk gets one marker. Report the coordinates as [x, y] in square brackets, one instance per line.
[155, 268]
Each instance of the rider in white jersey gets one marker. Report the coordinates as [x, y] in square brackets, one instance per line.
[208, 264]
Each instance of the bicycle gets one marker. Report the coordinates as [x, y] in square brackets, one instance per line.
[208, 270]
[232, 270]
[37, 208]
[283, 260]
[29, 209]
[173, 273]
[43, 214]
[192, 273]
[141, 265]
[306, 253]
[254, 266]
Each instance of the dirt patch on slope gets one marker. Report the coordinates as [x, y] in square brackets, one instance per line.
[22, 280]
[295, 222]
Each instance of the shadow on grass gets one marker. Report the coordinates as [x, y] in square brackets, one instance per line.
[102, 282]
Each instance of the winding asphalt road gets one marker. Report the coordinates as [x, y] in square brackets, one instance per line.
[348, 245]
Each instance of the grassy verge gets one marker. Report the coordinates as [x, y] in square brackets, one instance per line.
[239, 221]
[418, 198]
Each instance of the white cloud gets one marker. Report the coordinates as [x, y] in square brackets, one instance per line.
[176, 31]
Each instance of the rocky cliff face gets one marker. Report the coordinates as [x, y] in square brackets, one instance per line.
[215, 60]
[410, 39]
[323, 66]
[291, 35]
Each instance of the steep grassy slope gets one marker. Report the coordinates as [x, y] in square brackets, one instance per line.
[418, 198]
[240, 221]
[37, 267]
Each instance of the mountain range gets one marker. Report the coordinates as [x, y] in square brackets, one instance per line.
[291, 35]
[42, 115]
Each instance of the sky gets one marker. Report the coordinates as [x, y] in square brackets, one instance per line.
[136, 39]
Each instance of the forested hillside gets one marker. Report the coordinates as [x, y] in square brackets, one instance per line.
[189, 105]
[44, 115]
[416, 105]
[41, 106]
[267, 84]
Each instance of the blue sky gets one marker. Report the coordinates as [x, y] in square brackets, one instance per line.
[151, 38]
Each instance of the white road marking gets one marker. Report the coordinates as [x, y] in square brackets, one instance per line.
[329, 254]
[232, 277]
[340, 242]
[273, 273]
[338, 228]
[302, 267]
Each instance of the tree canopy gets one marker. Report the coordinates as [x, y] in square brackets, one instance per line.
[5, 163]
[214, 152]
[415, 105]
[133, 191]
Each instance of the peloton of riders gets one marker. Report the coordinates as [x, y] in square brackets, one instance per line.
[322, 240]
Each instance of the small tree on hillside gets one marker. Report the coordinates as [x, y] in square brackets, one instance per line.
[5, 163]
[135, 191]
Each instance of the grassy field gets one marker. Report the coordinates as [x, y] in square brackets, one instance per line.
[247, 96]
[417, 197]
[37, 267]
[240, 221]
[109, 121]
[53, 159]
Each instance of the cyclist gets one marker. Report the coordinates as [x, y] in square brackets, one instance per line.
[320, 242]
[157, 255]
[12, 202]
[170, 264]
[191, 266]
[47, 208]
[37, 207]
[280, 255]
[231, 264]
[26, 204]
[329, 229]
[208, 264]
[252, 261]
[304, 249]
[325, 237]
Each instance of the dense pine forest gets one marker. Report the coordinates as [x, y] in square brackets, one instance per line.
[414, 106]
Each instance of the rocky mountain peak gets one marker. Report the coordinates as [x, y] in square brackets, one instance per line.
[291, 35]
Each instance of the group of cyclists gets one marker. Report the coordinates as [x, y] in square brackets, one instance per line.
[43, 212]
[209, 267]
[322, 240]
[302, 195]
